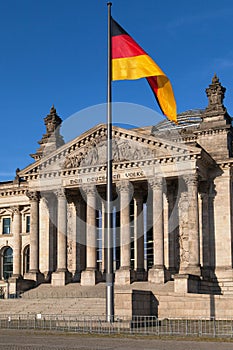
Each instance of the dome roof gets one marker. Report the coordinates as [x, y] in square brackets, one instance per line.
[190, 118]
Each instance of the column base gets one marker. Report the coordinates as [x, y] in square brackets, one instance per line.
[186, 283]
[156, 274]
[141, 275]
[60, 278]
[34, 276]
[194, 270]
[76, 276]
[124, 276]
[47, 276]
[90, 277]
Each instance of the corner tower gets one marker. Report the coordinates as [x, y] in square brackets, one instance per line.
[215, 132]
[52, 139]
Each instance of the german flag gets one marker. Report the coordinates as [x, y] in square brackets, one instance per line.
[130, 61]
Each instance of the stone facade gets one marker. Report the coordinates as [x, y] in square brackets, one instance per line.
[172, 208]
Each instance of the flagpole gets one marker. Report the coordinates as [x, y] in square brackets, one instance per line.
[109, 220]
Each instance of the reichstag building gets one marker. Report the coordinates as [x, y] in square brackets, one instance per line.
[172, 209]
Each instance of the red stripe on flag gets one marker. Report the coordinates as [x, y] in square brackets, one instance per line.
[124, 46]
[154, 87]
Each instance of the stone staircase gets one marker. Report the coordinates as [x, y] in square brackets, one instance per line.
[68, 300]
[72, 290]
[226, 286]
[72, 299]
[65, 306]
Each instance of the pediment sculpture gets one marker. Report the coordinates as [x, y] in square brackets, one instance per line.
[95, 154]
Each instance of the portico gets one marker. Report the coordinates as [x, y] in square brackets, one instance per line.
[172, 206]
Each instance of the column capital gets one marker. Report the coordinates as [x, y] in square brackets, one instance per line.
[33, 196]
[89, 190]
[124, 186]
[15, 210]
[156, 183]
[191, 179]
[60, 193]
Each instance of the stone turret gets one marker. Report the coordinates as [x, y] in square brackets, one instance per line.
[215, 132]
[52, 139]
[215, 113]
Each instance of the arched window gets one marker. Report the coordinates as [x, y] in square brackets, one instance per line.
[7, 263]
[26, 259]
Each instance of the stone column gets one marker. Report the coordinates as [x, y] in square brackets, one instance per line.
[61, 276]
[45, 235]
[124, 275]
[156, 273]
[80, 235]
[34, 236]
[16, 229]
[191, 182]
[89, 276]
[187, 280]
[172, 228]
[139, 235]
[71, 238]
[204, 209]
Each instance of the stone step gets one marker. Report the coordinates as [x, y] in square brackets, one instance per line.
[84, 306]
[73, 290]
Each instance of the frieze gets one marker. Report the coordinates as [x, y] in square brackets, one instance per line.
[95, 153]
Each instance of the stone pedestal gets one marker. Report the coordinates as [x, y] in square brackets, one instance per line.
[186, 283]
[141, 275]
[61, 278]
[124, 276]
[4, 289]
[34, 276]
[156, 275]
[129, 303]
[90, 277]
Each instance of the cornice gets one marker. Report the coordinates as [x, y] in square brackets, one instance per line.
[95, 134]
[13, 192]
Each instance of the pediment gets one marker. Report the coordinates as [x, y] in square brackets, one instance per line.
[89, 150]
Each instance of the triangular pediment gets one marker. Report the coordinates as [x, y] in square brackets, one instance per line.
[89, 150]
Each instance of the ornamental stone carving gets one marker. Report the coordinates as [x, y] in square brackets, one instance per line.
[89, 190]
[216, 109]
[69, 254]
[215, 93]
[124, 186]
[191, 180]
[33, 196]
[95, 153]
[156, 183]
[183, 226]
[60, 193]
[15, 210]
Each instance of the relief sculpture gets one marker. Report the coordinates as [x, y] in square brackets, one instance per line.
[95, 154]
[183, 236]
[69, 253]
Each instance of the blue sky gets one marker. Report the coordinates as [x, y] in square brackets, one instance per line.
[55, 52]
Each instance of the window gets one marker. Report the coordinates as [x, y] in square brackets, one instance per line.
[26, 259]
[6, 229]
[27, 223]
[7, 263]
